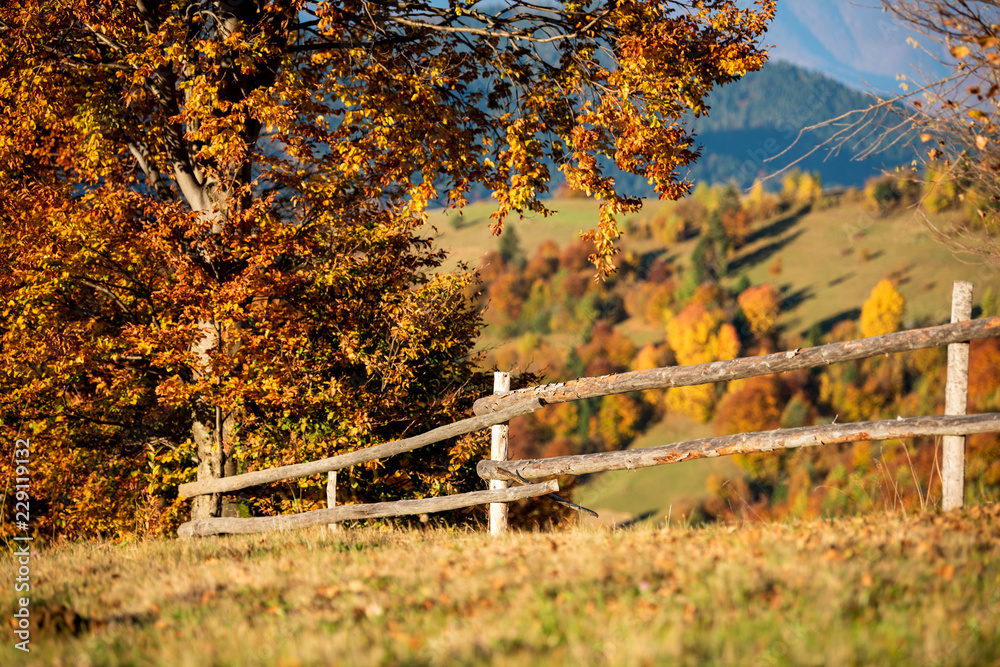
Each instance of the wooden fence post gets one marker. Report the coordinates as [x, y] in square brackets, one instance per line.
[956, 402]
[331, 496]
[498, 452]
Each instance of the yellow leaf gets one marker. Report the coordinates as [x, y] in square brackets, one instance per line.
[977, 114]
[981, 141]
[925, 137]
[960, 51]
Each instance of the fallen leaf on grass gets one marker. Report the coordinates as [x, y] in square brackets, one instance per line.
[328, 591]
[240, 576]
[831, 555]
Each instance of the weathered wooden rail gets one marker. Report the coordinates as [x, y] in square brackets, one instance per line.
[743, 443]
[745, 367]
[341, 461]
[498, 409]
[216, 526]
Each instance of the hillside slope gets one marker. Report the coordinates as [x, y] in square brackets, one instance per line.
[829, 259]
[820, 266]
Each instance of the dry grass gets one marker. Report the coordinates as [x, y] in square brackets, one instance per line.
[877, 590]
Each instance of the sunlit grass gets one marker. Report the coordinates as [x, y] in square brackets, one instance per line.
[885, 589]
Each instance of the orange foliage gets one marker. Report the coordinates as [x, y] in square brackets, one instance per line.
[558, 420]
[708, 294]
[751, 405]
[211, 234]
[544, 263]
[505, 298]
[698, 335]
[984, 375]
[610, 345]
[761, 305]
[657, 307]
[652, 356]
[574, 256]
[737, 223]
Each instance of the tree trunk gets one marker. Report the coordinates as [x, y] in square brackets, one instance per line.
[211, 430]
[213, 196]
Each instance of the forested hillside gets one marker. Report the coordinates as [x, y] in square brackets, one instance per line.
[720, 275]
[757, 118]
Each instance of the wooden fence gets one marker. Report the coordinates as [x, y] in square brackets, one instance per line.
[495, 411]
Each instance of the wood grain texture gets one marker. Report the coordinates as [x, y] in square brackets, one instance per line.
[744, 443]
[956, 399]
[218, 526]
[236, 482]
[722, 371]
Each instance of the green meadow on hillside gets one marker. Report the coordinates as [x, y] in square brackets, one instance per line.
[655, 496]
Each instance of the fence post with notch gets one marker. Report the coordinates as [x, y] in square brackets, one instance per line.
[498, 452]
[331, 496]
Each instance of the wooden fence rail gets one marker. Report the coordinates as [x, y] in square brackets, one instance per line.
[217, 526]
[743, 443]
[500, 408]
[385, 450]
[745, 367]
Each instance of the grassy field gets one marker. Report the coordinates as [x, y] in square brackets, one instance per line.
[882, 590]
[831, 260]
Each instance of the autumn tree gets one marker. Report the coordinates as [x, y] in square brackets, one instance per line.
[698, 335]
[618, 421]
[950, 111]
[882, 312]
[761, 306]
[211, 247]
[761, 203]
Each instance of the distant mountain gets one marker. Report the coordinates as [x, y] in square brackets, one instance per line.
[753, 120]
